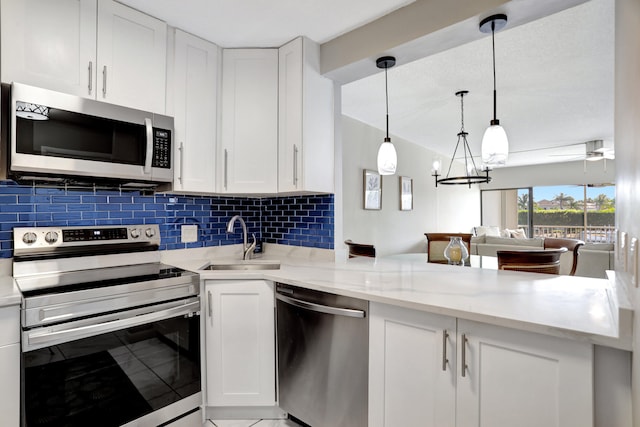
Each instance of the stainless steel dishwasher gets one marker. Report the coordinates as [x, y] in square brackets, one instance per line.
[323, 357]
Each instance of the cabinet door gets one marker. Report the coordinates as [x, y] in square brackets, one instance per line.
[132, 52]
[240, 348]
[10, 365]
[50, 44]
[195, 113]
[290, 116]
[305, 145]
[517, 378]
[412, 368]
[10, 392]
[249, 133]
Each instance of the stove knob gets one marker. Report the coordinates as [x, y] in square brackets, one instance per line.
[135, 233]
[51, 237]
[29, 238]
[149, 232]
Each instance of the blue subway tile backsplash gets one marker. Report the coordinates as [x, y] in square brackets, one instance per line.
[292, 220]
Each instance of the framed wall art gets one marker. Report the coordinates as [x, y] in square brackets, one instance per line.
[372, 194]
[406, 193]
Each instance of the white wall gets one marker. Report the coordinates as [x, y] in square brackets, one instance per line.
[627, 141]
[442, 209]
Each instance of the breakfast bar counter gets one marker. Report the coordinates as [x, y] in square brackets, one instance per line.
[578, 308]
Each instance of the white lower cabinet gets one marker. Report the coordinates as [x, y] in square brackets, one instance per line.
[511, 377]
[10, 365]
[407, 383]
[240, 343]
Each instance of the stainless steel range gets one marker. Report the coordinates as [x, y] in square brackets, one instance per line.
[110, 336]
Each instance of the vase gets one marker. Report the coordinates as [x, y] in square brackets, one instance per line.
[456, 251]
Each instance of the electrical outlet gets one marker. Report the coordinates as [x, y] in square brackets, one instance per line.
[189, 233]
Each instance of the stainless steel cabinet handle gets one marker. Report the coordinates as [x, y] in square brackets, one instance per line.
[463, 365]
[295, 165]
[209, 303]
[39, 339]
[226, 163]
[181, 149]
[149, 156]
[104, 81]
[445, 335]
[90, 77]
[321, 308]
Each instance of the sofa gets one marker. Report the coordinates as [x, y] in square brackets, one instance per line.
[593, 259]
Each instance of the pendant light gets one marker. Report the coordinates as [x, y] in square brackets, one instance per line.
[473, 175]
[387, 157]
[495, 145]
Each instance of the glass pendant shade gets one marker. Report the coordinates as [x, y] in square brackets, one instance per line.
[495, 146]
[387, 158]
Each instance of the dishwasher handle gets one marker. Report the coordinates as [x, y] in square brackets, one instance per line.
[348, 312]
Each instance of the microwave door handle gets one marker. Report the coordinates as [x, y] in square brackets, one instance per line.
[149, 156]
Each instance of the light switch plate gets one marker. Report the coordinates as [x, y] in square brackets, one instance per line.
[189, 233]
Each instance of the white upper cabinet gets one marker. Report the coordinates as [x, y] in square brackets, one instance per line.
[248, 157]
[50, 44]
[306, 146]
[101, 50]
[132, 57]
[194, 107]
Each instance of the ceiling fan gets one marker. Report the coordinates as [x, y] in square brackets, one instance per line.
[597, 151]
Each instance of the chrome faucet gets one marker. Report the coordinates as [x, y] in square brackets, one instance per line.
[247, 249]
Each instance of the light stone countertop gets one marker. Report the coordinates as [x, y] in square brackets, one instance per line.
[9, 292]
[578, 308]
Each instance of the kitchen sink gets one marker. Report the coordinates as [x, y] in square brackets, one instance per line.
[243, 265]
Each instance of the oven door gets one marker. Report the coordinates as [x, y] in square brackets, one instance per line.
[140, 366]
[60, 134]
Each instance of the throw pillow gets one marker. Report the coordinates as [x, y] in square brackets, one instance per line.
[487, 230]
[518, 234]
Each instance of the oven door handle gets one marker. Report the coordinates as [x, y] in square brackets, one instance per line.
[43, 338]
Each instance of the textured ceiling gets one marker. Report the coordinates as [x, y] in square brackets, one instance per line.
[554, 80]
[554, 75]
[259, 23]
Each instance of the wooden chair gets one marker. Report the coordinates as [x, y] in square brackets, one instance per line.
[360, 249]
[437, 242]
[572, 245]
[535, 261]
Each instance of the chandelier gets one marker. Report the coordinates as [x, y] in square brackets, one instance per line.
[473, 174]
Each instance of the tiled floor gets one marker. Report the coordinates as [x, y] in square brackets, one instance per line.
[253, 423]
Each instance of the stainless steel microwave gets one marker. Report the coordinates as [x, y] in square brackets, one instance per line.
[56, 134]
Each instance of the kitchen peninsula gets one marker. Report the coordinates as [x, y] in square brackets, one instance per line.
[430, 325]
[580, 308]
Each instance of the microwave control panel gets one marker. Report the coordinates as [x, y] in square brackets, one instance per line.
[161, 148]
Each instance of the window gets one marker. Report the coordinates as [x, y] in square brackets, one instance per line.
[585, 212]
